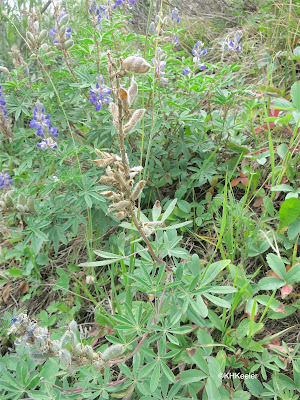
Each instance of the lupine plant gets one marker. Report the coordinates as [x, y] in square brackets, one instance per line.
[149, 219]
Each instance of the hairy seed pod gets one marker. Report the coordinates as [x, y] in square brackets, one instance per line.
[64, 20]
[135, 194]
[8, 200]
[121, 214]
[36, 26]
[68, 340]
[30, 203]
[107, 179]
[124, 98]
[136, 117]
[132, 91]
[98, 366]
[88, 350]
[119, 206]
[19, 207]
[44, 47]
[136, 65]
[112, 352]
[2, 204]
[65, 356]
[73, 327]
[30, 37]
[4, 69]
[42, 36]
[104, 163]
[69, 43]
[22, 199]
[55, 346]
[138, 168]
[78, 349]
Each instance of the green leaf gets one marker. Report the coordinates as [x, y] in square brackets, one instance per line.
[169, 210]
[147, 369]
[289, 211]
[282, 104]
[217, 301]
[155, 378]
[169, 374]
[293, 275]
[282, 188]
[295, 93]
[254, 387]
[277, 265]
[212, 390]
[192, 375]
[212, 271]
[184, 206]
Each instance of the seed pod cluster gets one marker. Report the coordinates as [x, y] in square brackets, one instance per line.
[21, 204]
[125, 192]
[35, 38]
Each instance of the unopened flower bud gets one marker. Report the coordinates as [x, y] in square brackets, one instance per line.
[22, 199]
[136, 117]
[55, 346]
[88, 350]
[135, 64]
[73, 327]
[68, 340]
[65, 356]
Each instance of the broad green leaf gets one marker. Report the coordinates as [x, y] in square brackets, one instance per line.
[169, 210]
[289, 211]
[277, 265]
[295, 93]
[192, 375]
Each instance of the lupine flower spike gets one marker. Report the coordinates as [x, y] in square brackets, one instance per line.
[233, 44]
[99, 95]
[5, 180]
[42, 123]
[175, 16]
[198, 51]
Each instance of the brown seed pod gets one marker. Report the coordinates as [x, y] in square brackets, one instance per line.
[124, 98]
[135, 194]
[121, 214]
[104, 163]
[119, 206]
[136, 117]
[135, 64]
[133, 90]
[107, 179]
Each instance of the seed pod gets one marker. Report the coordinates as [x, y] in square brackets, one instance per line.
[44, 47]
[107, 179]
[4, 69]
[8, 200]
[88, 350]
[22, 199]
[30, 203]
[42, 36]
[104, 163]
[36, 26]
[121, 214]
[138, 168]
[132, 91]
[89, 279]
[135, 194]
[119, 206]
[112, 352]
[115, 114]
[135, 64]
[136, 117]
[26, 208]
[50, 54]
[2, 204]
[98, 366]
[55, 346]
[65, 356]
[73, 327]
[69, 43]
[78, 349]
[30, 37]
[64, 20]
[124, 98]
[20, 208]
[68, 340]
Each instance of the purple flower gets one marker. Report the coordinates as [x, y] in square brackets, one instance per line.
[176, 42]
[120, 2]
[47, 144]
[198, 51]
[5, 180]
[68, 32]
[99, 95]
[2, 103]
[52, 32]
[186, 71]
[160, 67]
[42, 123]
[175, 15]
[233, 44]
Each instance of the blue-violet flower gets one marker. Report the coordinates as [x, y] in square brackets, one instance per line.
[99, 95]
[42, 123]
[5, 180]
